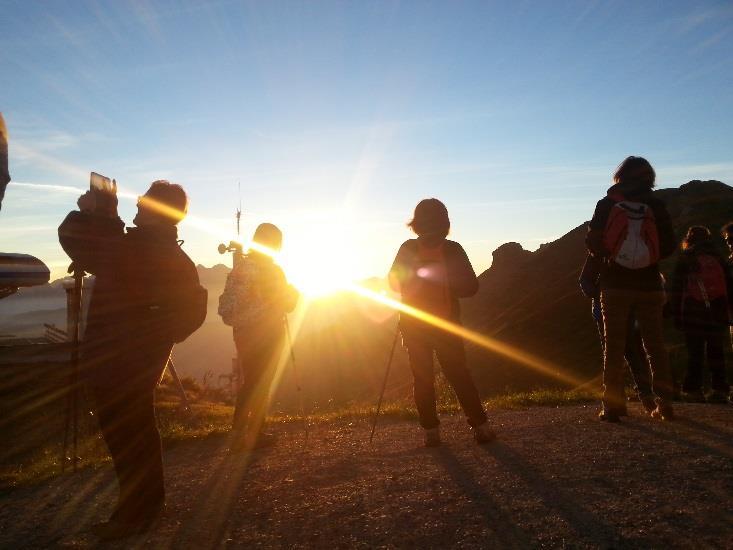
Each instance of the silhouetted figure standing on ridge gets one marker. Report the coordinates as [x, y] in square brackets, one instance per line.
[699, 302]
[630, 232]
[146, 297]
[432, 273]
[256, 299]
[634, 352]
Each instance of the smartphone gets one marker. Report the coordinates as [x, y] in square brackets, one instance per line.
[98, 182]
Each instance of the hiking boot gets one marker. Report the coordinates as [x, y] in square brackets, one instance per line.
[609, 415]
[717, 397]
[432, 437]
[663, 411]
[694, 396]
[648, 402]
[483, 434]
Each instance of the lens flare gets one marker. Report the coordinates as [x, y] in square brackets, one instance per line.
[522, 357]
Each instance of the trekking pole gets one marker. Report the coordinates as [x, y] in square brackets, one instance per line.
[297, 379]
[384, 385]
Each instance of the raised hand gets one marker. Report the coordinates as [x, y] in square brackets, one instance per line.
[106, 201]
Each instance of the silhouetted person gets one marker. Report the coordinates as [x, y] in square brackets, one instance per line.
[432, 273]
[630, 232]
[634, 352]
[699, 302]
[4, 171]
[256, 299]
[146, 297]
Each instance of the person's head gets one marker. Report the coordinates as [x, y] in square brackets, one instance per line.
[635, 172]
[430, 219]
[695, 235]
[165, 203]
[268, 235]
[727, 233]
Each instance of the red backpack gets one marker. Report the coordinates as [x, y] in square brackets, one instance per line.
[428, 289]
[631, 235]
[707, 283]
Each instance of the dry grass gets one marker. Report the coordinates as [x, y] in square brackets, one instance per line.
[211, 419]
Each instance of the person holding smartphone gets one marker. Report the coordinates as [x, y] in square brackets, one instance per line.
[146, 297]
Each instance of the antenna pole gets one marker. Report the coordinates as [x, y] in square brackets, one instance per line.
[239, 208]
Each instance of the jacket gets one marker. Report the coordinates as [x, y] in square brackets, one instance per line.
[257, 296]
[614, 276]
[143, 279]
[461, 278]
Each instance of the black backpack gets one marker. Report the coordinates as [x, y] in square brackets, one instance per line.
[188, 306]
[189, 314]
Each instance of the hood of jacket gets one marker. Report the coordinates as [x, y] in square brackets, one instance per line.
[157, 233]
[706, 247]
[431, 239]
[620, 191]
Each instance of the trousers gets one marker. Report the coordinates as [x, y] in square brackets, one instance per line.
[451, 355]
[616, 305]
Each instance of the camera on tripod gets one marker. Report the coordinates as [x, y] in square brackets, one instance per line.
[235, 247]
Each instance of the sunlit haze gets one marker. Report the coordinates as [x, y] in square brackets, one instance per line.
[337, 118]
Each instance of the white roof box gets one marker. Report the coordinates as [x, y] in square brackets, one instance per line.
[17, 270]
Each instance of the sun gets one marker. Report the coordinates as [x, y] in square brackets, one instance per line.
[318, 265]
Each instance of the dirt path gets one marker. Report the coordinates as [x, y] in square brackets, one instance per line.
[557, 477]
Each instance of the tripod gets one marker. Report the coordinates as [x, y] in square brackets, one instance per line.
[181, 391]
[71, 422]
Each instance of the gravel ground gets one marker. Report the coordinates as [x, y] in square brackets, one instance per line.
[555, 478]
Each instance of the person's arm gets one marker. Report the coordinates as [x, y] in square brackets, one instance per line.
[675, 290]
[594, 238]
[589, 276]
[728, 271]
[461, 278]
[289, 296]
[93, 235]
[665, 231]
[401, 270]
[282, 296]
[92, 241]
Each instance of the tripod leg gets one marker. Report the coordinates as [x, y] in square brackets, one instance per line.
[384, 385]
[297, 380]
[179, 385]
[67, 423]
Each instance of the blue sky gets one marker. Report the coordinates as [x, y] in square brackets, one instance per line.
[338, 117]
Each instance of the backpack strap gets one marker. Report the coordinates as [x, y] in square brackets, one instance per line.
[703, 291]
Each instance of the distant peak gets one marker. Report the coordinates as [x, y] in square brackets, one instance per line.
[509, 256]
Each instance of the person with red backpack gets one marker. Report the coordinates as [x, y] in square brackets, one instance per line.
[432, 273]
[699, 302]
[630, 232]
[634, 352]
[256, 299]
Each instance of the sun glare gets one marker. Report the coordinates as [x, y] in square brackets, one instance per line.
[318, 267]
